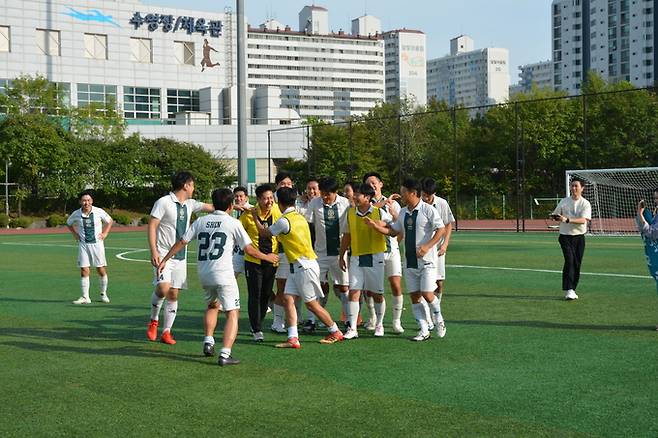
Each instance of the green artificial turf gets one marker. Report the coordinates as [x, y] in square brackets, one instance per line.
[517, 359]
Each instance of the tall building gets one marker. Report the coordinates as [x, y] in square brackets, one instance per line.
[406, 60]
[469, 77]
[366, 25]
[615, 38]
[539, 73]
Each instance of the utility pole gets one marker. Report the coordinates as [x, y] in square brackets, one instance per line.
[242, 96]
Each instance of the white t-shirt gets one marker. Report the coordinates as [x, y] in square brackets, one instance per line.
[89, 226]
[217, 233]
[320, 214]
[394, 210]
[237, 214]
[571, 208]
[427, 221]
[445, 213]
[174, 221]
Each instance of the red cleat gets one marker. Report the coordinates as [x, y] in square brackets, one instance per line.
[167, 338]
[152, 330]
[290, 343]
[332, 338]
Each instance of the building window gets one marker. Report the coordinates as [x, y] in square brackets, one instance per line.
[141, 103]
[48, 41]
[97, 94]
[5, 39]
[64, 91]
[95, 46]
[142, 50]
[184, 52]
[181, 100]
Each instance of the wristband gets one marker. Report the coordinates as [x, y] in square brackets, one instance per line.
[567, 220]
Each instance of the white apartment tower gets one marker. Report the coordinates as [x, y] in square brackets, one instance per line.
[406, 60]
[539, 73]
[469, 77]
[366, 25]
[615, 38]
[314, 20]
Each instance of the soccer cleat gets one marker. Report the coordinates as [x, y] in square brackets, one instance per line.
[441, 329]
[351, 334]
[208, 349]
[290, 343]
[152, 330]
[258, 337]
[309, 326]
[397, 327]
[420, 337]
[570, 295]
[379, 331]
[225, 361]
[167, 338]
[332, 338]
[278, 328]
[105, 298]
[82, 300]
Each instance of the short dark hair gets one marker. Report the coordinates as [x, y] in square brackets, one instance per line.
[240, 189]
[286, 196]
[352, 184]
[580, 180]
[179, 180]
[222, 199]
[428, 185]
[86, 192]
[369, 174]
[412, 185]
[262, 189]
[311, 179]
[365, 190]
[281, 176]
[328, 184]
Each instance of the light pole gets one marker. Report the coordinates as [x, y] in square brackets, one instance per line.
[7, 163]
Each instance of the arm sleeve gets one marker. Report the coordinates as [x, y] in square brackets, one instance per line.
[104, 216]
[448, 217]
[386, 217]
[158, 210]
[197, 206]
[241, 237]
[587, 211]
[308, 211]
[435, 218]
[282, 226]
[71, 219]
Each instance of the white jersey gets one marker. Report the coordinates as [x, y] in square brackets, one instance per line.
[217, 233]
[417, 226]
[445, 213]
[574, 209]
[328, 221]
[391, 242]
[90, 226]
[174, 221]
[236, 214]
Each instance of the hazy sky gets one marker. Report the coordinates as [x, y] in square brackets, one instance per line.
[522, 26]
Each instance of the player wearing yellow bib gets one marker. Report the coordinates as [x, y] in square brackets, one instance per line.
[366, 271]
[304, 279]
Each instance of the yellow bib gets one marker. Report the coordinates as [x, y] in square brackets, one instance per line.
[365, 240]
[297, 242]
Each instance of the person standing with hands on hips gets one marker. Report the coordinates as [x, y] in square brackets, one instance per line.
[573, 213]
[647, 223]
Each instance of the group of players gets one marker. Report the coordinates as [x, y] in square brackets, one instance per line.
[303, 243]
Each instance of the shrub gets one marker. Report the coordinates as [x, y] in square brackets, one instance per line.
[4, 220]
[20, 222]
[122, 219]
[55, 220]
[145, 219]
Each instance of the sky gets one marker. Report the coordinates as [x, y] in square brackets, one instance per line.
[522, 26]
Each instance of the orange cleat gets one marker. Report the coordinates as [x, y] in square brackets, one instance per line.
[290, 343]
[167, 338]
[152, 330]
[332, 338]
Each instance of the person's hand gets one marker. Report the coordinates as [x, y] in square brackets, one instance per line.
[161, 267]
[640, 207]
[272, 258]
[254, 213]
[421, 251]
[442, 250]
[102, 236]
[239, 208]
[369, 222]
[155, 260]
[395, 197]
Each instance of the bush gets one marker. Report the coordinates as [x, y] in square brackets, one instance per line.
[145, 219]
[4, 220]
[55, 220]
[20, 222]
[122, 219]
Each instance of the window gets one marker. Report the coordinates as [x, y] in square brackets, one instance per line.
[181, 100]
[184, 52]
[141, 103]
[96, 93]
[142, 50]
[5, 39]
[48, 42]
[95, 46]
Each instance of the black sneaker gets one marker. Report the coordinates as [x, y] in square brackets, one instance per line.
[309, 326]
[225, 361]
[208, 349]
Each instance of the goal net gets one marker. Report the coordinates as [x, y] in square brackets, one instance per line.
[614, 194]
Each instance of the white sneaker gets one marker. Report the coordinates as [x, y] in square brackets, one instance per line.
[421, 336]
[258, 337]
[397, 327]
[105, 298]
[379, 331]
[350, 334]
[430, 326]
[441, 329]
[278, 328]
[82, 300]
[369, 325]
[570, 295]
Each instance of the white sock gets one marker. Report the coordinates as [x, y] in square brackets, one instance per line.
[156, 305]
[352, 313]
[292, 332]
[84, 285]
[439, 296]
[419, 313]
[225, 352]
[436, 310]
[333, 328]
[371, 309]
[380, 309]
[209, 340]
[103, 285]
[277, 311]
[426, 309]
[170, 314]
[398, 304]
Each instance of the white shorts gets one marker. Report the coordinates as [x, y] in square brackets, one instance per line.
[228, 296]
[91, 254]
[329, 265]
[283, 271]
[421, 280]
[393, 263]
[174, 273]
[441, 268]
[238, 263]
[304, 282]
[367, 278]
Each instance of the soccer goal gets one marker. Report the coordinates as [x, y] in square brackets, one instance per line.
[614, 194]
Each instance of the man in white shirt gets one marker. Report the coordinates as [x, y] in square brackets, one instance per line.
[218, 233]
[170, 218]
[573, 212]
[86, 225]
[240, 206]
[421, 228]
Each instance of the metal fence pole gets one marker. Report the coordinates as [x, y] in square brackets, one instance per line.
[269, 156]
[400, 154]
[351, 146]
[585, 130]
[456, 159]
[518, 170]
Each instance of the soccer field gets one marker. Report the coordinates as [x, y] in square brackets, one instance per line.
[517, 359]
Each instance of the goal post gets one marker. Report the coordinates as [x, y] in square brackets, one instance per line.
[614, 194]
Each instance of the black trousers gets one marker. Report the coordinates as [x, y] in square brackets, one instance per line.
[573, 248]
[260, 279]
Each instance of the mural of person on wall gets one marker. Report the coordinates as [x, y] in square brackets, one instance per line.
[206, 62]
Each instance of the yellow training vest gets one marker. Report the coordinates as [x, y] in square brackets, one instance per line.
[297, 242]
[247, 220]
[365, 240]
